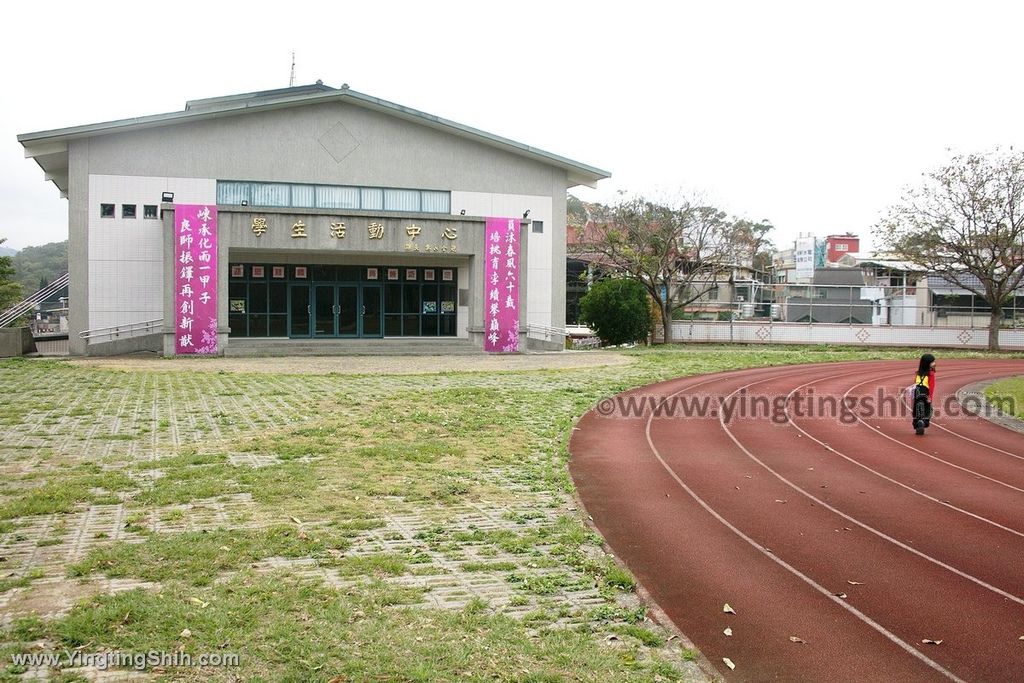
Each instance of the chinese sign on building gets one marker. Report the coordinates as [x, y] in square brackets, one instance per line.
[501, 285]
[804, 258]
[195, 279]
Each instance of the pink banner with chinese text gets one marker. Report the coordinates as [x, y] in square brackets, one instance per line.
[195, 279]
[501, 285]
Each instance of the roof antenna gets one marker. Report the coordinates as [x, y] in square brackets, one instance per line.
[291, 80]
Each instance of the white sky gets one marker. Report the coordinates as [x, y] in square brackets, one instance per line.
[813, 115]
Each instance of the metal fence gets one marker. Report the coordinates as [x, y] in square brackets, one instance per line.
[772, 332]
[849, 305]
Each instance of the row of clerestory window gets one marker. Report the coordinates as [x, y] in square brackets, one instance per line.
[149, 211]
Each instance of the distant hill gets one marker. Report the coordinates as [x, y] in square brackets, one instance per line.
[35, 266]
[7, 251]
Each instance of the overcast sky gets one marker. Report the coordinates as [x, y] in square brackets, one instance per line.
[812, 115]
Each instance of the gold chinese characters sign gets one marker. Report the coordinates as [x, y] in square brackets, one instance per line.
[416, 236]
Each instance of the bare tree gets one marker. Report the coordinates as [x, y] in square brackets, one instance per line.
[966, 223]
[676, 252]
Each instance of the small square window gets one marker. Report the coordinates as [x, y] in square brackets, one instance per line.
[106, 210]
[149, 211]
[538, 226]
[128, 210]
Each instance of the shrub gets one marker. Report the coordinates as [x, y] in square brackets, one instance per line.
[617, 310]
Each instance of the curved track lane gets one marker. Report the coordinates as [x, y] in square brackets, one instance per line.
[840, 529]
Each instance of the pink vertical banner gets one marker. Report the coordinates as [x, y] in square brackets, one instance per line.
[195, 279]
[501, 285]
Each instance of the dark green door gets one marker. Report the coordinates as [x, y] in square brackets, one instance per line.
[372, 319]
[325, 311]
[348, 310]
[299, 309]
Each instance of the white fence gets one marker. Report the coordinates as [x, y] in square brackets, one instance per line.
[764, 332]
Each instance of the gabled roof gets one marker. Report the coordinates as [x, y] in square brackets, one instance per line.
[49, 148]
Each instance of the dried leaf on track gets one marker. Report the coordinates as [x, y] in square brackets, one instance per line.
[840, 595]
[797, 639]
[728, 632]
[929, 641]
[855, 583]
[728, 662]
[728, 609]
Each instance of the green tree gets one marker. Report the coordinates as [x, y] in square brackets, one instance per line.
[48, 261]
[753, 243]
[965, 222]
[10, 291]
[618, 310]
[678, 253]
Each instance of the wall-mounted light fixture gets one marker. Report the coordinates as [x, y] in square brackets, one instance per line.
[462, 213]
[167, 197]
[245, 202]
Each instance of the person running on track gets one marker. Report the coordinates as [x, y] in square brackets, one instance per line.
[924, 392]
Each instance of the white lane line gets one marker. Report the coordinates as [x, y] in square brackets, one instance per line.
[880, 474]
[866, 527]
[892, 637]
[939, 424]
[878, 431]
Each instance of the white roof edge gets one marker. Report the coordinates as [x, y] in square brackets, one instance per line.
[582, 173]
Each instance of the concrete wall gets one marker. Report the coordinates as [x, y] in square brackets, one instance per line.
[118, 347]
[126, 254]
[539, 276]
[16, 341]
[853, 335]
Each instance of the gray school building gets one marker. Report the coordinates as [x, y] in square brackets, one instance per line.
[340, 216]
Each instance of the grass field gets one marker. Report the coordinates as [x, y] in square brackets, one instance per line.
[324, 527]
[1008, 395]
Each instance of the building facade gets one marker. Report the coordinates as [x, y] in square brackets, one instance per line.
[339, 215]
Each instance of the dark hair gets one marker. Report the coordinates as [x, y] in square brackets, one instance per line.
[925, 365]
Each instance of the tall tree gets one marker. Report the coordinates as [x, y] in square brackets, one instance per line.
[676, 252]
[10, 290]
[965, 222]
[753, 243]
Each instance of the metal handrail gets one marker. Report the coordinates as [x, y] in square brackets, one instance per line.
[125, 330]
[546, 330]
[27, 304]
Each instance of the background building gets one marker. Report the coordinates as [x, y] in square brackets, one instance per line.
[391, 203]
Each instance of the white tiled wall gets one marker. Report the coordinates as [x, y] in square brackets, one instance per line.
[853, 335]
[126, 254]
[538, 265]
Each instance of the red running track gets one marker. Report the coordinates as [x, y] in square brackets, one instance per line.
[848, 532]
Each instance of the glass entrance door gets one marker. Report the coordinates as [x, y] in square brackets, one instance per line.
[299, 311]
[371, 311]
[348, 310]
[325, 311]
[336, 310]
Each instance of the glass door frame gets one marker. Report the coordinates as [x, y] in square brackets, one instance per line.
[363, 287]
[309, 310]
